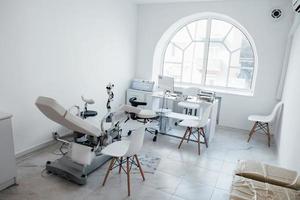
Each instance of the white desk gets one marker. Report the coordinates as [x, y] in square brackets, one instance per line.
[157, 96]
[173, 97]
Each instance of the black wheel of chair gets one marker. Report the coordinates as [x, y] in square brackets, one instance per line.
[129, 133]
[154, 138]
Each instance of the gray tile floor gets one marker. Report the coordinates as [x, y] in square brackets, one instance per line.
[181, 174]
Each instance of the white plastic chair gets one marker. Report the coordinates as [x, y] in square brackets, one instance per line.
[128, 150]
[198, 125]
[262, 122]
[188, 106]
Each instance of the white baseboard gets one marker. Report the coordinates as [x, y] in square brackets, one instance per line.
[40, 146]
[231, 128]
[34, 148]
[8, 183]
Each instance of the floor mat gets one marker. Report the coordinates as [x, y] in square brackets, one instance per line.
[149, 163]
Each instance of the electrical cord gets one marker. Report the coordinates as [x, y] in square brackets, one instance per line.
[61, 150]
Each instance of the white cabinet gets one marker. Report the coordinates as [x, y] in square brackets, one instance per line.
[8, 168]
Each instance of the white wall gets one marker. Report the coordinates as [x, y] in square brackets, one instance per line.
[62, 49]
[269, 36]
[289, 139]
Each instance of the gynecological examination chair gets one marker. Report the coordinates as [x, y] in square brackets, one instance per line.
[85, 155]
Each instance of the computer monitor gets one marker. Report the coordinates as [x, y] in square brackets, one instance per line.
[166, 83]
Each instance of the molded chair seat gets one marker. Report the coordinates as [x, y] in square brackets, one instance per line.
[259, 118]
[198, 125]
[192, 123]
[117, 149]
[262, 122]
[128, 150]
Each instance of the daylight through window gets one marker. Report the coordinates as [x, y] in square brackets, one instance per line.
[210, 52]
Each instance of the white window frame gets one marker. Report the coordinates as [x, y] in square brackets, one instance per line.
[209, 17]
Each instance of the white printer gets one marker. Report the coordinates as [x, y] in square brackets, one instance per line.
[143, 85]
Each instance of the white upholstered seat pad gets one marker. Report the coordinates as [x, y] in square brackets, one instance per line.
[146, 114]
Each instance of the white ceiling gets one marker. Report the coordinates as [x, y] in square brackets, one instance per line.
[168, 1]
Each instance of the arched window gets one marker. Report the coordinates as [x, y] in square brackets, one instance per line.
[211, 52]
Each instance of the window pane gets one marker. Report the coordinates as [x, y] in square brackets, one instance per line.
[234, 39]
[197, 30]
[246, 49]
[219, 30]
[243, 57]
[235, 59]
[173, 70]
[173, 54]
[193, 63]
[217, 68]
[197, 75]
[240, 78]
[238, 61]
[230, 61]
[182, 38]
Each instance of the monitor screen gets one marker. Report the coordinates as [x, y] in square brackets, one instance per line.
[166, 83]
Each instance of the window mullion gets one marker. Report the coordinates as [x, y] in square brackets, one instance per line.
[211, 55]
[228, 69]
[182, 63]
[206, 50]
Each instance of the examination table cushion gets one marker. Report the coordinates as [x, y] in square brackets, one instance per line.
[268, 173]
[248, 189]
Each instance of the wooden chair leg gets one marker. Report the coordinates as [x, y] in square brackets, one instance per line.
[190, 133]
[269, 135]
[112, 162]
[140, 167]
[184, 137]
[198, 141]
[128, 175]
[204, 136]
[120, 165]
[252, 131]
